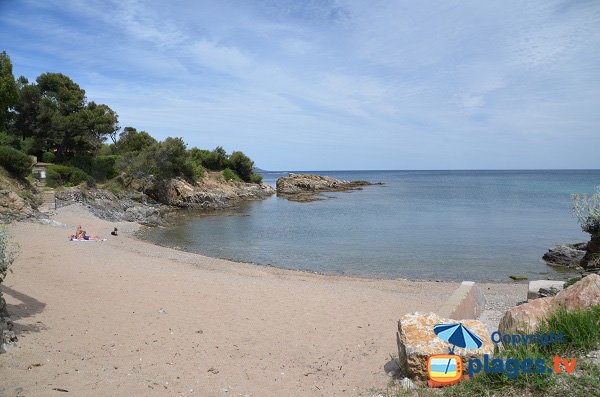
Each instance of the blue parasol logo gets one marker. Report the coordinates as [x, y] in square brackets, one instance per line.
[458, 335]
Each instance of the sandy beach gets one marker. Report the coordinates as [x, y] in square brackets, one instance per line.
[125, 317]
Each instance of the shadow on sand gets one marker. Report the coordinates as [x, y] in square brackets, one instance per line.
[28, 307]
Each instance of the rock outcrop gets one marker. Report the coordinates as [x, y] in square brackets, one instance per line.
[148, 207]
[417, 341]
[305, 187]
[591, 259]
[208, 194]
[8, 338]
[16, 198]
[526, 317]
[566, 255]
[121, 206]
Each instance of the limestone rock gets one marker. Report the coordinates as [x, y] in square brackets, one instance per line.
[304, 187]
[582, 295]
[417, 341]
[525, 317]
[567, 255]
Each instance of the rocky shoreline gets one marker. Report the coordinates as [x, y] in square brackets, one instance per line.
[577, 256]
[152, 207]
[306, 187]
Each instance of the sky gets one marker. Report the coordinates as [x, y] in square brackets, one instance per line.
[334, 85]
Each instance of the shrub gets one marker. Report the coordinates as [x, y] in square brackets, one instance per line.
[103, 167]
[63, 175]
[242, 165]
[216, 160]
[15, 162]
[586, 209]
[48, 157]
[255, 178]
[230, 175]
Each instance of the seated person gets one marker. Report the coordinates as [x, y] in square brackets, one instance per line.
[80, 234]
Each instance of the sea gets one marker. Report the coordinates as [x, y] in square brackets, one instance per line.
[431, 225]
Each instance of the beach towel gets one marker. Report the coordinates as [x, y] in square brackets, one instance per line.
[72, 238]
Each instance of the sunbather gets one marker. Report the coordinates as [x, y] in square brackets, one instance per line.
[80, 234]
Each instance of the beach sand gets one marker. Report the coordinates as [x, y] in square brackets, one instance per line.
[125, 317]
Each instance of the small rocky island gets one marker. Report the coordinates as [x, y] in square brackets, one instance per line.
[306, 187]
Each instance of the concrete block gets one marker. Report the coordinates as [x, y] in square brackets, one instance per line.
[467, 302]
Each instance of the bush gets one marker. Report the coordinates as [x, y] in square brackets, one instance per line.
[255, 178]
[103, 167]
[48, 157]
[230, 175]
[63, 175]
[15, 162]
[242, 165]
[216, 160]
[587, 211]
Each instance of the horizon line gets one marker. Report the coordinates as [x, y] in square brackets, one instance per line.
[448, 169]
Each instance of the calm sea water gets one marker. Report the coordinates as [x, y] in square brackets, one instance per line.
[448, 225]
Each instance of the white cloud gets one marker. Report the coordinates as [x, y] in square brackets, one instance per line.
[409, 81]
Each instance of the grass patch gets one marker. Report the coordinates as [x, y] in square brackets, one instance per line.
[581, 330]
[572, 281]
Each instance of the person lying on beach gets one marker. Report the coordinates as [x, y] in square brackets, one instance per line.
[80, 234]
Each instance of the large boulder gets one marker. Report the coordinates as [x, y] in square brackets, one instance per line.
[565, 255]
[417, 341]
[526, 317]
[581, 295]
[304, 187]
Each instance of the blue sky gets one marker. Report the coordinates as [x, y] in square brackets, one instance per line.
[334, 84]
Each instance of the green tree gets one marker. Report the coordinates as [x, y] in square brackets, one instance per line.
[131, 140]
[173, 159]
[242, 165]
[27, 128]
[53, 115]
[216, 160]
[9, 94]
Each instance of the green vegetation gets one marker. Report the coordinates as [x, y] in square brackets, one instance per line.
[572, 281]
[63, 175]
[586, 209]
[16, 162]
[518, 278]
[53, 120]
[230, 175]
[48, 157]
